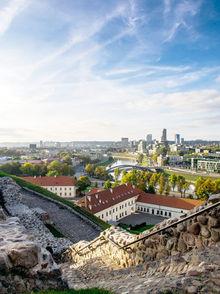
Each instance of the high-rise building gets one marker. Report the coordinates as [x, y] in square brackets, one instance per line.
[177, 139]
[124, 142]
[149, 138]
[142, 146]
[182, 141]
[164, 136]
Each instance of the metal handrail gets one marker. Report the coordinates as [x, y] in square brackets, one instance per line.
[171, 225]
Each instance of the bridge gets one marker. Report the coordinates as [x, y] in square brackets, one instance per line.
[136, 167]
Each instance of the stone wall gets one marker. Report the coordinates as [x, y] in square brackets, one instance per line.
[33, 219]
[197, 232]
[24, 265]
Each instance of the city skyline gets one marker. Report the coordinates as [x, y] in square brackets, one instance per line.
[102, 70]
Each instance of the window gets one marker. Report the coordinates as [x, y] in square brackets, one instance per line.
[165, 213]
[116, 209]
[152, 211]
[70, 194]
[102, 215]
[113, 210]
[106, 213]
[55, 188]
[110, 212]
[161, 212]
[125, 212]
[125, 204]
[158, 212]
[147, 209]
[169, 213]
[116, 217]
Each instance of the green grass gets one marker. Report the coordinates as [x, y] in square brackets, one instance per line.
[136, 231]
[189, 177]
[103, 225]
[54, 231]
[82, 291]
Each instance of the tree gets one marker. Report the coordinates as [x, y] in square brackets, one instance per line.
[167, 188]
[11, 168]
[162, 184]
[89, 169]
[154, 180]
[27, 168]
[205, 189]
[186, 186]
[83, 182]
[180, 184]
[107, 185]
[173, 181]
[67, 159]
[140, 158]
[101, 173]
[116, 173]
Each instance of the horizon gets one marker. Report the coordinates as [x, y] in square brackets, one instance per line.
[102, 70]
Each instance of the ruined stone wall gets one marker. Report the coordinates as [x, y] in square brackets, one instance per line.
[24, 264]
[197, 232]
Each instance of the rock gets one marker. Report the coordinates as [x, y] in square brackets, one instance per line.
[24, 255]
[162, 253]
[194, 228]
[202, 219]
[2, 215]
[205, 232]
[215, 235]
[181, 227]
[181, 246]
[188, 239]
[213, 222]
[192, 289]
[171, 243]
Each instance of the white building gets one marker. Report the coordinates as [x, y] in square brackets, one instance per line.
[111, 205]
[63, 186]
[165, 206]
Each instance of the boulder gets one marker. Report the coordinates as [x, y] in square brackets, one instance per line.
[202, 219]
[24, 255]
[213, 222]
[194, 228]
[205, 232]
[189, 239]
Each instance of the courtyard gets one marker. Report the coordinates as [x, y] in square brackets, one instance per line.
[140, 217]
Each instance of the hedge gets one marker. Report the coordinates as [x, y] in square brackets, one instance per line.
[24, 184]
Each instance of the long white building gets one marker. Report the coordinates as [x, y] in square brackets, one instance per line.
[63, 186]
[119, 202]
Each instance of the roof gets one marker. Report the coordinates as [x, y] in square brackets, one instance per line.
[93, 191]
[51, 181]
[101, 200]
[168, 201]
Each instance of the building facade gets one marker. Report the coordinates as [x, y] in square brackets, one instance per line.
[111, 205]
[63, 186]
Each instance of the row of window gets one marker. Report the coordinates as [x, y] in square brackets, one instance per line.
[122, 214]
[61, 188]
[155, 211]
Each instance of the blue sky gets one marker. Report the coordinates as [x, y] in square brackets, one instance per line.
[94, 69]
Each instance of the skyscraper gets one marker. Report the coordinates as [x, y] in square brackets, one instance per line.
[177, 139]
[149, 138]
[164, 136]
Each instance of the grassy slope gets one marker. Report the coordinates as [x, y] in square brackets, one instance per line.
[103, 225]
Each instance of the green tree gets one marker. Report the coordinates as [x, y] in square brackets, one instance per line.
[83, 183]
[101, 173]
[162, 184]
[27, 168]
[107, 185]
[186, 186]
[173, 181]
[116, 173]
[12, 168]
[89, 169]
[140, 158]
[180, 184]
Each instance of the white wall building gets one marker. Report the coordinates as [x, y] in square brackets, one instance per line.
[63, 186]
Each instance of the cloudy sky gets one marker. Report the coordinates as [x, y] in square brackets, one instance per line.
[94, 69]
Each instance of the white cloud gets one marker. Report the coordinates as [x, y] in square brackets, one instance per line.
[9, 12]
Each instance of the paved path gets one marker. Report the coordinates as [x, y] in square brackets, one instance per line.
[69, 224]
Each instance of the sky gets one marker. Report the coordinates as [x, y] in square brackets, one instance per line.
[102, 70]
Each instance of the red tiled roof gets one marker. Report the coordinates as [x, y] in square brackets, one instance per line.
[93, 191]
[104, 199]
[182, 203]
[51, 181]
